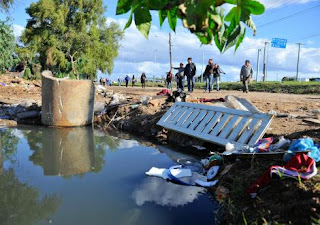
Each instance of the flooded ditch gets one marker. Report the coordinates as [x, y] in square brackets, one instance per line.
[84, 176]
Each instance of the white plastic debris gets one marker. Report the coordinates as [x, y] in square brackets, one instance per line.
[118, 99]
[100, 88]
[212, 172]
[282, 142]
[163, 173]
[145, 100]
[206, 183]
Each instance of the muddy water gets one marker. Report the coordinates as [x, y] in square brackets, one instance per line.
[81, 176]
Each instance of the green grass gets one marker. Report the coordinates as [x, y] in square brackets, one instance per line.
[290, 87]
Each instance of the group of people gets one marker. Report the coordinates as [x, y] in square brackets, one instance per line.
[143, 79]
[189, 71]
[211, 75]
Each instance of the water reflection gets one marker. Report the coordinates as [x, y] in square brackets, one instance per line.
[165, 193]
[20, 203]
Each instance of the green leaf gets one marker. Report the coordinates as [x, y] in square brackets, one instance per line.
[236, 37]
[172, 18]
[219, 43]
[242, 12]
[123, 6]
[162, 16]
[157, 4]
[128, 24]
[254, 7]
[251, 25]
[142, 18]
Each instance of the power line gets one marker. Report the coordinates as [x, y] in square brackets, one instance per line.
[306, 37]
[289, 16]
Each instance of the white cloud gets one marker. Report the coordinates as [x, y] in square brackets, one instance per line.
[17, 30]
[138, 55]
[271, 4]
[165, 193]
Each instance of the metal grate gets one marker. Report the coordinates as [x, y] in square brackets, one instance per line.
[215, 124]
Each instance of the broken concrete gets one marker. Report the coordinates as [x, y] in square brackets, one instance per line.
[65, 102]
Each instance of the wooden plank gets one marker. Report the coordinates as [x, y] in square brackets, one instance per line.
[238, 129]
[179, 115]
[185, 116]
[204, 122]
[191, 118]
[260, 132]
[198, 119]
[220, 125]
[249, 131]
[229, 126]
[212, 123]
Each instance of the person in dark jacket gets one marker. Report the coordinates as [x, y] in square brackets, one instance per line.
[133, 81]
[190, 71]
[180, 77]
[216, 75]
[208, 74]
[143, 80]
[127, 80]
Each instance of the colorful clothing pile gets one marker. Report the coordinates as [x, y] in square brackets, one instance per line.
[306, 144]
[300, 165]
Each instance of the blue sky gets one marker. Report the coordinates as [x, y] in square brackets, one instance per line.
[151, 56]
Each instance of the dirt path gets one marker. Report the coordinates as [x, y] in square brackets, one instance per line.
[17, 90]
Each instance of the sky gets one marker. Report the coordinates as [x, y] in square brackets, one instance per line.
[138, 54]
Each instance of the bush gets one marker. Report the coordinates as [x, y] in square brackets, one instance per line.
[27, 74]
[36, 70]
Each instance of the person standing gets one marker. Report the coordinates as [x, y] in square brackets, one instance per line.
[245, 75]
[208, 73]
[190, 71]
[119, 81]
[133, 81]
[143, 80]
[127, 80]
[169, 80]
[216, 75]
[180, 77]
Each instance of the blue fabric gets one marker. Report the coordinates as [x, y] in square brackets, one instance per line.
[209, 81]
[306, 144]
[191, 81]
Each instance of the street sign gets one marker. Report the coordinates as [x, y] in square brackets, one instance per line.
[279, 43]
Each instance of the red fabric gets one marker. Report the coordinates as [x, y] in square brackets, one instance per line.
[300, 162]
[164, 92]
[212, 100]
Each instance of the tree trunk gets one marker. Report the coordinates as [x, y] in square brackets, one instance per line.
[74, 69]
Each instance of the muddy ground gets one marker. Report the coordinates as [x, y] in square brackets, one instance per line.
[284, 201]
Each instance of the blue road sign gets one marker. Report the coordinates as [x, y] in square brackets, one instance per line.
[279, 43]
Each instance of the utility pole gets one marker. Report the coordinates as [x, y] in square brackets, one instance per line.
[170, 51]
[258, 64]
[299, 48]
[265, 61]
